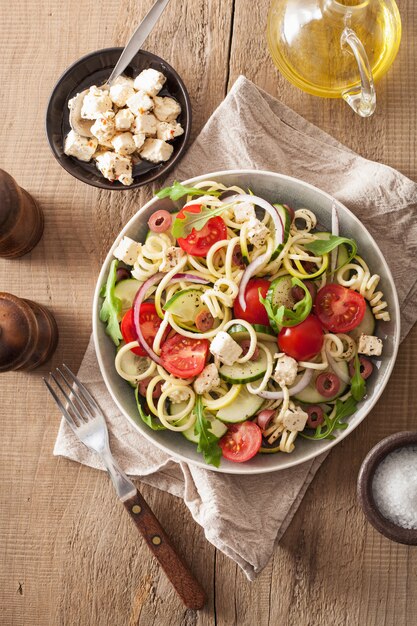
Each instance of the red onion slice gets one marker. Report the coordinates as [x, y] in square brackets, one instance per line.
[279, 395]
[264, 417]
[140, 297]
[191, 277]
[279, 238]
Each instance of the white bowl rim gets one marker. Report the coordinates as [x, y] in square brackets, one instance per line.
[242, 468]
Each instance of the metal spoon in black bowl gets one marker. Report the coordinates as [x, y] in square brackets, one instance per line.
[82, 126]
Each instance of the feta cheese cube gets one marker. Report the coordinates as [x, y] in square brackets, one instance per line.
[257, 232]
[370, 345]
[139, 140]
[145, 123]
[295, 419]
[113, 166]
[207, 380]
[285, 370]
[127, 250]
[166, 109]
[172, 256]
[95, 102]
[244, 211]
[120, 93]
[104, 127]
[167, 131]
[226, 349]
[150, 81]
[139, 103]
[81, 148]
[155, 150]
[124, 119]
[123, 143]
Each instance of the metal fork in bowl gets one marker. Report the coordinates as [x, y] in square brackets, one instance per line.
[86, 419]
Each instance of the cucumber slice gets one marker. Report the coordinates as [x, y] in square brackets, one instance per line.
[126, 291]
[310, 395]
[367, 325]
[185, 305]
[279, 293]
[249, 371]
[132, 364]
[286, 222]
[264, 333]
[217, 428]
[245, 406]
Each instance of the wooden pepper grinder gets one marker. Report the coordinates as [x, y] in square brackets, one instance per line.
[28, 333]
[21, 219]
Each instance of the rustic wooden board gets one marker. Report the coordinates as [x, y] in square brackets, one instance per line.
[69, 553]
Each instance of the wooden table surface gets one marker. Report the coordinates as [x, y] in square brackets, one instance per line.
[69, 554]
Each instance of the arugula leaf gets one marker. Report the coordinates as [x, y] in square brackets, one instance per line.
[111, 308]
[323, 246]
[282, 316]
[358, 385]
[325, 430]
[208, 443]
[177, 191]
[270, 312]
[150, 421]
[184, 225]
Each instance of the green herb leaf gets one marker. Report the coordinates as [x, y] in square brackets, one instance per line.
[177, 191]
[282, 316]
[323, 246]
[325, 430]
[358, 385]
[150, 421]
[111, 308]
[208, 443]
[183, 226]
[270, 312]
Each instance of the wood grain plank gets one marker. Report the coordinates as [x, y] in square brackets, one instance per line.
[60, 564]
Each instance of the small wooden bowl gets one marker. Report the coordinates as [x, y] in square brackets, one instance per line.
[365, 481]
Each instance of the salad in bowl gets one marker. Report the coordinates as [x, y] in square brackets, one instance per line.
[241, 324]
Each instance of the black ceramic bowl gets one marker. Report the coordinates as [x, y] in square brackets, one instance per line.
[365, 481]
[94, 69]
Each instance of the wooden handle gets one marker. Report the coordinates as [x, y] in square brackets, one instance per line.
[178, 573]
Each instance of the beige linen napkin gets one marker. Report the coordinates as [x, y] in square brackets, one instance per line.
[250, 129]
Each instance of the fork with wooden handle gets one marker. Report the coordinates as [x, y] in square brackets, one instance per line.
[86, 419]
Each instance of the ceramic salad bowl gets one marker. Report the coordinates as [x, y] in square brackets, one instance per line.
[296, 193]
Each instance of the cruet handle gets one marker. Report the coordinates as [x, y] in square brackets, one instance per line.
[362, 99]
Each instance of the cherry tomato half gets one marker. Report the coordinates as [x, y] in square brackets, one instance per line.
[255, 311]
[149, 323]
[241, 442]
[304, 341]
[199, 242]
[339, 309]
[184, 357]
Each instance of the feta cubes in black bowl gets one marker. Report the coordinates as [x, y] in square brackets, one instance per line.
[136, 136]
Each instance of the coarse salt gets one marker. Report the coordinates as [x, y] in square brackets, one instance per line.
[395, 487]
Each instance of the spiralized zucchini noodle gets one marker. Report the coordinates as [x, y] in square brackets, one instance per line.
[221, 272]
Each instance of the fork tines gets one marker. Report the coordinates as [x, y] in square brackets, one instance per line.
[80, 405]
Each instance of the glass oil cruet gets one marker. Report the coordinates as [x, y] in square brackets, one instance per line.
[335, 48]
